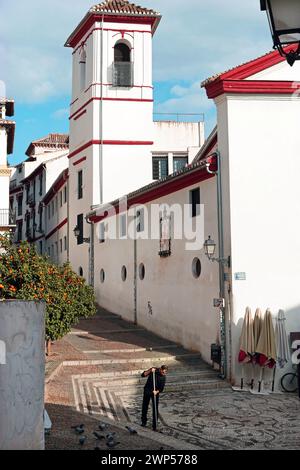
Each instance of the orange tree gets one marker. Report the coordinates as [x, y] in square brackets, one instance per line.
[25, 275]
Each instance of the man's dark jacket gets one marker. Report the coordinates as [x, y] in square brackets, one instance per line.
[160, 381]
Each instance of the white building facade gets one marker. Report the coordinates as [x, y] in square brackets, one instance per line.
[258, 108]
[115, 147]
[31, 181]
[122, 163]
[7, 131]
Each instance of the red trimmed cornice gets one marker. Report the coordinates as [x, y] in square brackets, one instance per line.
[139, 100]
[91, 19]
[37, 238]
[79, 161]
[108, 142]
[121, 31]
[34, 174]
[79, 115]
[56, 187]
[64, 222]
[259, 87]
[169, 187]
[16, 190]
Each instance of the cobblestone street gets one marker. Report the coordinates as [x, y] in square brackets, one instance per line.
[93, 375]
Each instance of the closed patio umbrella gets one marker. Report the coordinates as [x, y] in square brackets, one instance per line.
[282, 344]
[246, 343]
[283, 349]
[257, 327]
[266, 347]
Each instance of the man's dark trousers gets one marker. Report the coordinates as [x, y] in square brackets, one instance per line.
[147, 397]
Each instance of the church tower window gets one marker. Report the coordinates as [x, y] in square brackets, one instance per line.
[122, 66]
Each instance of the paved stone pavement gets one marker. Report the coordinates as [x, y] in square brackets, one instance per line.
[94, 374]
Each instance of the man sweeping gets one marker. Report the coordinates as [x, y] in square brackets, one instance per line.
[153, 388]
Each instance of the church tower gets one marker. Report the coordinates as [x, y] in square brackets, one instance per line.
[111, 117]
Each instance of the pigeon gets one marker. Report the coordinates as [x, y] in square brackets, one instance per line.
[82, 440]
[102, 426]
[79, 430]
[131, 430]
[110, 436]
[77, 426]
[112, 443]
[98, 436]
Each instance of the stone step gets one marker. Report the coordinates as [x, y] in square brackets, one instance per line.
[142, 354]
[129, 390]
[167, 359]
[137, 380]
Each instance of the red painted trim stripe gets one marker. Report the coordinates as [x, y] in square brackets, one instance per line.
[37, 239]
[110, 84]
[56, 187]
[16, 190]
[79, 161]
[109, 142]
[110, 29]
[80, 115]
[265, 87]
[161, 191]
[64, 222]
[74, 101]
[77, 37]
[109, 99]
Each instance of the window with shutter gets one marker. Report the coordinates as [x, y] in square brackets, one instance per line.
[80, 227]
[160, 167]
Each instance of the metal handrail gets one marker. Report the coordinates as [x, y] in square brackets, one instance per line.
[7, 218]
[202, 115]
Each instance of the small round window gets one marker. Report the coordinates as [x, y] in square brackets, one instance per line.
[124, 273]
[80, 271]
[196, 268]
[142, 271]
[102, 276]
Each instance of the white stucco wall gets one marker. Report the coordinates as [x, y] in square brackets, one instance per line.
[22, 329]
[170, 301]
[261, 213]
[3, 147]
[175, 136]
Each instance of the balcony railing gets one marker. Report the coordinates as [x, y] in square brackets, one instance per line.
[7, 218]
[31, 200]
[122, 74]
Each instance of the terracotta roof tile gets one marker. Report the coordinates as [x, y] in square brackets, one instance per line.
[53, 139]
[122, 7]
[9, 104]
[214, 77]
[60, 141]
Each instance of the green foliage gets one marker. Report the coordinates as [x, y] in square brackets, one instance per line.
[25, 275]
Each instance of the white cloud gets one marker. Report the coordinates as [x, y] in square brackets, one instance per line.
[60, 113]
[195, 39]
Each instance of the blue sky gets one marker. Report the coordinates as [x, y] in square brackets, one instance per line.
[195, 39]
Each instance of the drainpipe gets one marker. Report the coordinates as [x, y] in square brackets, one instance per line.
[101, 118]
[91, 252]
[223, 324]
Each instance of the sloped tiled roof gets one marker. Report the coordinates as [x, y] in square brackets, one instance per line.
[209, 147]
[10, 106]
[60, 141]
[122, 7]
[250, 67]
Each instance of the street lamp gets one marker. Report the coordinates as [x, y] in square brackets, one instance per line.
[210, 248]
[77, 233]
[284, 20]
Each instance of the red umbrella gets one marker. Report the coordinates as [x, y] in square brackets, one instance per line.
[246, 343]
